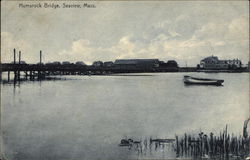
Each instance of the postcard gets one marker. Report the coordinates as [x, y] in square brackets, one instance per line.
[108, 80]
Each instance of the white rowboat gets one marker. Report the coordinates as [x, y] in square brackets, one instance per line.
[202, 81]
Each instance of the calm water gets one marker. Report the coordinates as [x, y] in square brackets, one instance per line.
[87, 116]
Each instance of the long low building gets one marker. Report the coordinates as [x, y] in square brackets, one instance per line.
[138, 63]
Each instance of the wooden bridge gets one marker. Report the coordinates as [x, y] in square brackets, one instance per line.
[41, 70]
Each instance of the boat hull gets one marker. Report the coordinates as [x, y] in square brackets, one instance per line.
[202, 81]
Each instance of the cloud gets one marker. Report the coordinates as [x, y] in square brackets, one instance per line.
[8, 43]
[185, 26]
[180, 38]
[226, 40]
[81, 46]
[211, 30]
[238, 29]
[162, 41]
[124, 48]
[80, 50]
[83, 50]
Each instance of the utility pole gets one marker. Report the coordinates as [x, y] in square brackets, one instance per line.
[14, 65]
[19, 62]
[40, 64]
[19, 57]
[14, 56]
[40, 57]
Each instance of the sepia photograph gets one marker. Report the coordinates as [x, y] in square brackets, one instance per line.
[124, 80]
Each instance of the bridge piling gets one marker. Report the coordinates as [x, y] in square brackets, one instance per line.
[26, 75]
[30, 75]
[40, 66]
[8, 76]
[40, 57]
[19, 62]
[14, 50]
[14, 56]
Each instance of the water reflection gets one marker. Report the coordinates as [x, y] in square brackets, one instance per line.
[201, 146]
[85, 118]
[148, 147]
[16, 82]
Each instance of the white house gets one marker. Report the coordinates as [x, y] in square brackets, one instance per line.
[213, 62]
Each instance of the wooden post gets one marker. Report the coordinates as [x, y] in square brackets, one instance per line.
[19, 57]
[40, 57]
[14, 63]
[26, 75]
[14, 56]
[40, 66]
[19, 62]
[8, 76]
[30, 75]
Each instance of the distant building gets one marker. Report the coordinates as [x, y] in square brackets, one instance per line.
[108, 64]
[56, 63]
[48, 63]
[235, 63]
[80, 63]
[171, 63]
[213, 62]
[97, 63]
[17, 62]
[40, 63]
[65, 63]
[137, 63]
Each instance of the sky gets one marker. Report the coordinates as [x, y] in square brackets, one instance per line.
[185, 31]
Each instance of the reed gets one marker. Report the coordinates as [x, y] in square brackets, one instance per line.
[223, 146]
[198, 146]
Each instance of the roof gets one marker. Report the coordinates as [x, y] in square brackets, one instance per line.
[210, 58]
[135, 61]
[108, 62]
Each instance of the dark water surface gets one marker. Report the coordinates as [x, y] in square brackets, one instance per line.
[85, 117]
